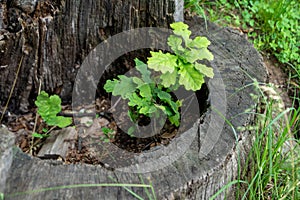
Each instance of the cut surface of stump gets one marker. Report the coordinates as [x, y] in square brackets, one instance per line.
[194, 166]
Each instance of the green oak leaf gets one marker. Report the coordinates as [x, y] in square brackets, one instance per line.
[138, 81]
[191, 55]
[145, 91]
[163, 62]
[110, 85]
[179, 103]
[205, 54]
[143, 103]
[37, 135]
[143, 106]
[143, 69]
[176, 44]
[190, 78]
[147, 110]
[162, 108]
[199, 42]
[171, 112]
[168, 79]
[164, 96]
[181, 29]
[172, 109]
[135, 100]
[174, 119]
[59, 121]
[49, 107]
[125, 87]
[203, 69]
[174, 106]
[63, 121]
[179, 25]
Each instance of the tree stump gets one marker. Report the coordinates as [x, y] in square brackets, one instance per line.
[198, 173]
[46, 41]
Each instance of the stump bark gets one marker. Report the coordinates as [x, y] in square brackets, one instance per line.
[193, 175]
[46, 41]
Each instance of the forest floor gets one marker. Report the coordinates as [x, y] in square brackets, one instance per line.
[280, 80]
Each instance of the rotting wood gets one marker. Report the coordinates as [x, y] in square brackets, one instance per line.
[58, 144]
[7, 140]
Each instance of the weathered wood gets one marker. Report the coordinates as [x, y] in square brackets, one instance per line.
[54, 37]
[7, 140]
[59, 143]
[193, 175]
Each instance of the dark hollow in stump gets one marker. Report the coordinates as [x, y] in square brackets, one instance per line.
[197, 174]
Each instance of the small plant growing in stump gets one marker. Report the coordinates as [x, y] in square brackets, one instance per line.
[148, 95]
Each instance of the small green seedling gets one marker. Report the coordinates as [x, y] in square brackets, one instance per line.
[148, 96]
[49, 107]
[41, 136]
[108, 134]
[38, 135]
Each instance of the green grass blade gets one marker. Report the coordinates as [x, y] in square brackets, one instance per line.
[225, 187]
[81, 186]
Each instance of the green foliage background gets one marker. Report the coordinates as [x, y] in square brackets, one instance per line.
[272, 25]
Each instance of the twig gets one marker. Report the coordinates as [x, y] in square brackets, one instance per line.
[116, 103]
[35, 121]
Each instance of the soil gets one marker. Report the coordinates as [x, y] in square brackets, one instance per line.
[285, 88]
[280, 80]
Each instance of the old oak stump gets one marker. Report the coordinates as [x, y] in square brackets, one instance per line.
[198, 172]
